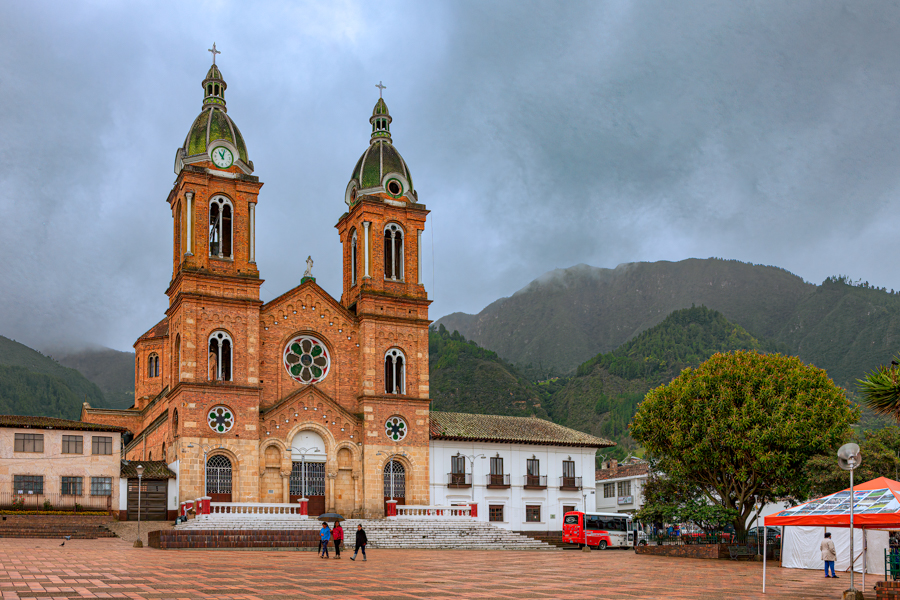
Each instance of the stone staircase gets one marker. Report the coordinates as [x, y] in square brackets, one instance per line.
[55, 526]
[457, 534]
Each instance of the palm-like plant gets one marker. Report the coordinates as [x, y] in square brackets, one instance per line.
[881, 389]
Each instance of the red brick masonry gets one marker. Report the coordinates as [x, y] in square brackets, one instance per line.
[225, 538]
[887, 590]
[687, 551]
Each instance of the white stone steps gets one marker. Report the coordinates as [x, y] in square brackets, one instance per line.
[390, 533]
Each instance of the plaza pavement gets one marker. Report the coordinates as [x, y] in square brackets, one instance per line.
[111, 568]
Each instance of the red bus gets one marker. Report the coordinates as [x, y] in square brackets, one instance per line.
[600, 530]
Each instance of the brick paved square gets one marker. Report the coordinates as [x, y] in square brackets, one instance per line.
[111, 568]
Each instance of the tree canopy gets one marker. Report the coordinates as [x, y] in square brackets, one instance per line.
[881, 389]
[741, 427]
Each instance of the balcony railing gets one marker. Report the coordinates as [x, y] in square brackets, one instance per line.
[536, 482]
[459, 480]
[497, 480]
[570, 483]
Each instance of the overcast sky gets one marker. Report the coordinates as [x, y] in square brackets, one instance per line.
[540, 136]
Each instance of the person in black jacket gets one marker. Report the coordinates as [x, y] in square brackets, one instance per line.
[361, 541]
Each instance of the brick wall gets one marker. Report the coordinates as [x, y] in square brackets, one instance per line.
[686, 551]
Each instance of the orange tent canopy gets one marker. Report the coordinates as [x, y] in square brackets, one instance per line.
[876, 506]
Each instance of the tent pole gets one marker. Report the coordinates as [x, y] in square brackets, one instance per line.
[764, 566]
[865, 548]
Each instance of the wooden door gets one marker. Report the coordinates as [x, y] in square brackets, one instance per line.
[153, 499]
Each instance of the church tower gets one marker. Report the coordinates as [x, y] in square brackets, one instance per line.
[381, 236]
[214, 304]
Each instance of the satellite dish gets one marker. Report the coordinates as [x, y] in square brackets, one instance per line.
[849, 457]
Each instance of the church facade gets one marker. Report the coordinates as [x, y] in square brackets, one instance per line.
[305, 395]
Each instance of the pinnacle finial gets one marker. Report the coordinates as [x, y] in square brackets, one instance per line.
[380, 86]
[214, 52]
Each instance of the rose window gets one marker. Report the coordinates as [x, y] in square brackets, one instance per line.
[220, 419]
[395, 428]
[306, 359]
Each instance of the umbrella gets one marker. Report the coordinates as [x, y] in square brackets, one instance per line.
[331, 517]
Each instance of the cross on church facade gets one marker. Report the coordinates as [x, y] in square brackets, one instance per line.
[380, 87]
[214, 52]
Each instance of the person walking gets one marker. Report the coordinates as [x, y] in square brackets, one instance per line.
[361, 541]
[337, 534]
[325, 535]
[829, 555]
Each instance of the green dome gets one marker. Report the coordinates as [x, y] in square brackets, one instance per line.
[380, 169]
[214, 125]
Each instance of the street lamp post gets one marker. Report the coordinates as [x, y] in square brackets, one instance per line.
[303, 452]
[138, 543]
[391, 459]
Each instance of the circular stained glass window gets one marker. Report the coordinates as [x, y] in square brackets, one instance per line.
[306, 359]
[395, 428]
[220, 419]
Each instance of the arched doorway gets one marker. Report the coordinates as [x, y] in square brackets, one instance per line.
[308, 471]
[394, 483]
[218, 478]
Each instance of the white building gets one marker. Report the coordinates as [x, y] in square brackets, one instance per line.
[522, 473]
[620, 487]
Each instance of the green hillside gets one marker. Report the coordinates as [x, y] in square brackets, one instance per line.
[467, 378]
[564, 317]
[111, 370]
[34, 384]
[603, 396]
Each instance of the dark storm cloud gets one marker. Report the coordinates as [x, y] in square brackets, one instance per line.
[540, 135]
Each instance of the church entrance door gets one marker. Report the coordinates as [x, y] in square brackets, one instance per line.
[394, 483]
[312, 476]
[218, 478]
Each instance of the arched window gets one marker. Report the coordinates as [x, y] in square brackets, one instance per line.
[353, 244]
[394, 372]
[218, 478]
[220, 218]
[393, 252]
[219, 359]
[153, 365]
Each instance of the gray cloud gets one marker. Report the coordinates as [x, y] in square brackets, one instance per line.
[540, 135]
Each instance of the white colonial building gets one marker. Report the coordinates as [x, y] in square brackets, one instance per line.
[521, 473]
[620, 487]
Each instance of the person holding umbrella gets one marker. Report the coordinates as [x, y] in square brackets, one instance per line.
[336, 518]
[337, 534]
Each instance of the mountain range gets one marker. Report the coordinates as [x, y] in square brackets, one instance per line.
[566, 316]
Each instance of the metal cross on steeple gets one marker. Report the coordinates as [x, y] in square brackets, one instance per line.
[214, 52]
[380, 87]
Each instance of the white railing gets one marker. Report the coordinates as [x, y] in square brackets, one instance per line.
[433, 512]
[253, 510]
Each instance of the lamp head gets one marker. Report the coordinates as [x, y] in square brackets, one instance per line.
[140, 470]
[849, 457]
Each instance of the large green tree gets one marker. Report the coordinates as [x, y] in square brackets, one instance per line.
[741, 427]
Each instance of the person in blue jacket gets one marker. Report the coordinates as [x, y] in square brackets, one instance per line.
[325, 534]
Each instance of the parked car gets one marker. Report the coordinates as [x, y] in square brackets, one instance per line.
[772, 533]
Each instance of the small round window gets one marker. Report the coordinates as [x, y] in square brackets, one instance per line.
[395, 428]
[394, 188]
[306, 359]
[221, 419]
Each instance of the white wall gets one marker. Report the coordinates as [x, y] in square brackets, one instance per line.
[612, 504]
[513, 499]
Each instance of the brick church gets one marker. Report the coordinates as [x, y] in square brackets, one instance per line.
[305, 395]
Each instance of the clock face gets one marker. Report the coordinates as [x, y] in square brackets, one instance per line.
[222, 157]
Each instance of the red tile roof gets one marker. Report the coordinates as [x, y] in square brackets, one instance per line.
[499, 428]
[25, 422]
[159, 330]
[632, 470]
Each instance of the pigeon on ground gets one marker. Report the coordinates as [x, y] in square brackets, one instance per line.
[63, 544]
